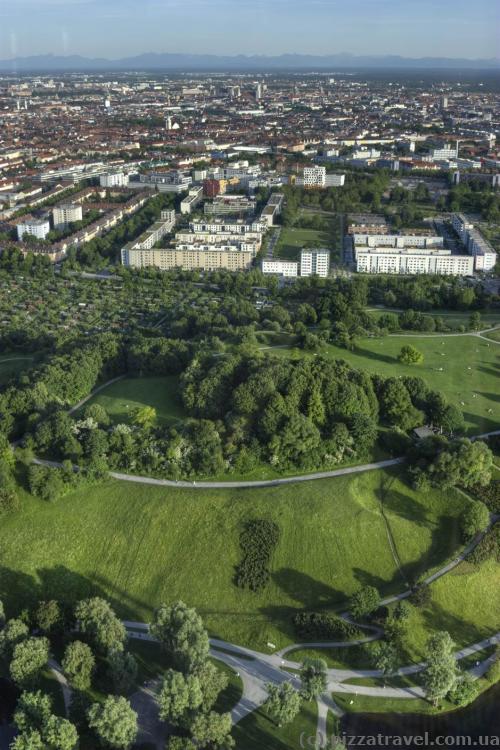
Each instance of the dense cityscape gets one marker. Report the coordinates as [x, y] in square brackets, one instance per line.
[249, 405]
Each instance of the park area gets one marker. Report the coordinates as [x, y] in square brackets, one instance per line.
[465, 368]
[126, 397]
[140, 545]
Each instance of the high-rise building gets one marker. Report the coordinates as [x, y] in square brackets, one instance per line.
[315, 263]
[66, 214]
[38, 228]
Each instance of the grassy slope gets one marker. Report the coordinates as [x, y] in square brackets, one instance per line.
[141, 545]
[123, 398]
[456, 381]
[258, 732]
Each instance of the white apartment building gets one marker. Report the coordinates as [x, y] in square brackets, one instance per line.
[115, 179]
[195, 258]
[66, 214]
[314, 263]
[250, 242]
[229, 204]
[154, 234]
[412, 261]
[220, 227]
[38, 228]
[167, 182]
[317, 177]
[485, 257]
[272, 209]
[279, 267]
[193, 199]
[447, 153]
[397, 240]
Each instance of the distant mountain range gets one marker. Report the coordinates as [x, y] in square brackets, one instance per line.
[179, 62]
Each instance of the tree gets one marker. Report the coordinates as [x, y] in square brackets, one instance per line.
[462, 463]
[30, 740]
[180, 743]
[476, 518]
[313, 678]
[181, 632]
[410, 355]
[2, 615]
[78, 664]
[48, 614]
[283, 703]
[123, 670]
[212, 682]
[402, 610]
[440, 674]
[34, 719]
[385, 657]
[29, 657]
[475, 321]
[12, 633]
[178, 695]
[96, 619]
[364, 601]
[213, 730]
[145, 417]
[114, 722]
[464, 691]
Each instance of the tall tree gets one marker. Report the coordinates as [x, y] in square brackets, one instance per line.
[283, 703]
[114, 722]
[181, 632]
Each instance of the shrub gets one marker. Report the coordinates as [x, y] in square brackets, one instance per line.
[364, 602]
[257, 541]
[9, 501]
[421, 595]
[465, 690]
[322, 625]
[488, 547]
[409, 355]
[489, 495]
[475, 519]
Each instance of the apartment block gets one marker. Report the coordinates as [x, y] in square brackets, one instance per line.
[412, 261]
[315, 263]
[287, 268]
[66, 214]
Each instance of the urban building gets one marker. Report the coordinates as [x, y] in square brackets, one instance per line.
[66, 214]
[412, 261]
[276, 266]
[485, 257]
[114, 179]
[317, 178]
[195, 258]
[166, 182]
[229, 204]
[38, 228]
[314, 262]
[192, 199]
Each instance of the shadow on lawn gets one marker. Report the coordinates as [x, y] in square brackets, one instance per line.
[369, 354]
[19, 590]
[306, 590]
[437, 618]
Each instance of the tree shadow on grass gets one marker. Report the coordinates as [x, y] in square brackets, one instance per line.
[443, 545]
[21, 590]
[369, 354]
[365, 578]
[306, 590]
[402, 505]
[490, 396]
[463, 632]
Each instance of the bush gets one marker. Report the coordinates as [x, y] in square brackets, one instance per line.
[489, 495]
[9, 501]
[488, 547]
[474, 520]
[421, 595]
[257, 541]
[364, 602]
[322, 625]
[465, 690]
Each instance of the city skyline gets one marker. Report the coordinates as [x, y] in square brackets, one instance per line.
[121, 28]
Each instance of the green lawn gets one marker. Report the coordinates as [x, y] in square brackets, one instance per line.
[123, 398]
[258, 732]
[292, 240]
[141, 545]
[469, 376]
[12, 364]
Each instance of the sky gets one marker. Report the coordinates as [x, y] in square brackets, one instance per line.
[122, 28]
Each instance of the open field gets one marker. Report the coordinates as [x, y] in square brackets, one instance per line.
[469, 377]
[258, 732]
[141, 545]
[122, 399]
[12, 364]
[292, 240]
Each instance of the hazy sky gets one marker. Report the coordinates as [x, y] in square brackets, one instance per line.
[119, 28]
